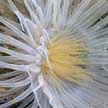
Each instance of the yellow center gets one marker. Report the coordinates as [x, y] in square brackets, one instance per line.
[67, 57]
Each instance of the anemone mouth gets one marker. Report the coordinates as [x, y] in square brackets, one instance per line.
[68, 58]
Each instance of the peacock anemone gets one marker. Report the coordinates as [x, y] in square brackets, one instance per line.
[58, 52]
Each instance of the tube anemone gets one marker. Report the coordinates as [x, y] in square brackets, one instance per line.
[57, 52]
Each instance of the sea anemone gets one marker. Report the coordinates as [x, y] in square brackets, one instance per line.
[58, 52]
